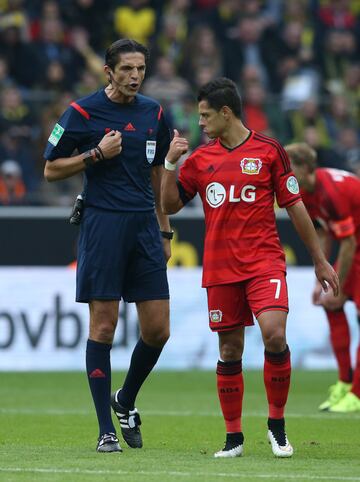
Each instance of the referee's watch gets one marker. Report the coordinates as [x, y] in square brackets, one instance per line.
[167, 234]
[93, 156]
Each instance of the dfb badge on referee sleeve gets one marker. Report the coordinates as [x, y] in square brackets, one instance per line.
[56, 134]
[150, 151]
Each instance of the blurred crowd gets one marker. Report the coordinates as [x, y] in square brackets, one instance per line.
[296, 63]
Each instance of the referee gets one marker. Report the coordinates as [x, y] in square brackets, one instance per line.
[121, 138]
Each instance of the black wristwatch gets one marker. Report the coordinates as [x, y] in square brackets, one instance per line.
[167, 234]
[93, 156]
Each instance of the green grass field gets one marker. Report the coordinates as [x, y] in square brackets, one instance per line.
[48, 432]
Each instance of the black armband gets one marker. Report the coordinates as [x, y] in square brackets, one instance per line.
[167, 234]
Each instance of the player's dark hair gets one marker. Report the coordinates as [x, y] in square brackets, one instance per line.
[123, 46]
[221, 92]
[301, 154]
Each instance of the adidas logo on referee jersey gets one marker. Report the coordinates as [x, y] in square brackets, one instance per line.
[129, 127]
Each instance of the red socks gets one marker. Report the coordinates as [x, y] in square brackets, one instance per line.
[277, 371]
[340, 341]
[230, 387]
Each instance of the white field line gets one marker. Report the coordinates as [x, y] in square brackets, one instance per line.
[174, 413]
[176, 473]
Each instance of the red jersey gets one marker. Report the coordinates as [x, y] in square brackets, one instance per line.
[335, 202]
[237, 188]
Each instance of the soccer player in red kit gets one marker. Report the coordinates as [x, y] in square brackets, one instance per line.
[236, 175]
[332, 198]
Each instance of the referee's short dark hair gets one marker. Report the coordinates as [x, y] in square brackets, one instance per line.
[220, 92]
[122, 46]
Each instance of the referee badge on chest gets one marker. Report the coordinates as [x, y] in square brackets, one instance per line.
[150, 151]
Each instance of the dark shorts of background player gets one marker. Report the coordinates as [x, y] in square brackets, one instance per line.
[120, 255]
[232, 305]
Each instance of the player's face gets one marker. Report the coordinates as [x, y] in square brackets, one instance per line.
[128, 74]
[211, 121]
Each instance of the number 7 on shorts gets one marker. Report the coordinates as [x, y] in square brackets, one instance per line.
[278, 287]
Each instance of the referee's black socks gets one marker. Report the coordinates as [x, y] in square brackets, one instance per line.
[143, 360]
[98, 370]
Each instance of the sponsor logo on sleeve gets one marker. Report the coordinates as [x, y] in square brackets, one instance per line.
[215, 316]
[56, 134]
[150, 151]
[292, 185]
[250, 166]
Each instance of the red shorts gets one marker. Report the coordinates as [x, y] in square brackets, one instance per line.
[233, 305]
[352, 284]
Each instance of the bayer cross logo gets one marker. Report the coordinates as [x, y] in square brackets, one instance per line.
[215, 316]
[215, 194]
[250, 165]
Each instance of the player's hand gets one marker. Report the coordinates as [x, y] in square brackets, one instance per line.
[178, 147]
[317, 294]
[110, 144]
[331, 302]
[326, 275]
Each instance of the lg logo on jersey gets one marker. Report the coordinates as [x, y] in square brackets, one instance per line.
[216, 194]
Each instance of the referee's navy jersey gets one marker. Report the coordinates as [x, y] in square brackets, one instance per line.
[123, 182]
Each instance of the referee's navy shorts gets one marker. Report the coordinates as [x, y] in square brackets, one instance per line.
[120, 255]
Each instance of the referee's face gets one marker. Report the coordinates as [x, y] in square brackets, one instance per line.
[128, 74]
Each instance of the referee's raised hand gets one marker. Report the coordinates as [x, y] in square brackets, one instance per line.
[110, 144]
